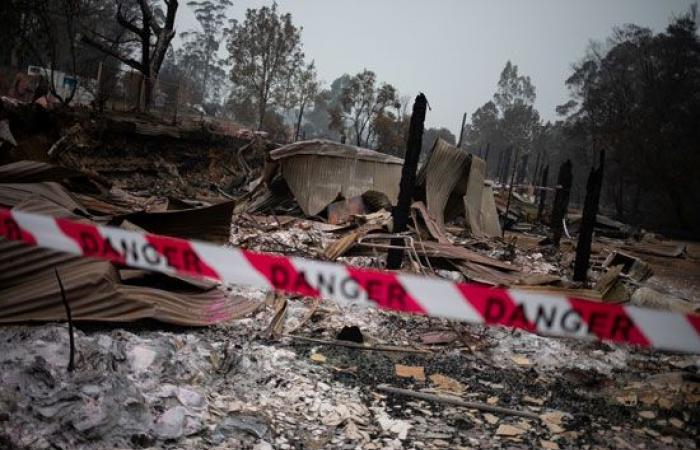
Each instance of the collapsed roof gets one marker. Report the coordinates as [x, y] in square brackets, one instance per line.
[319, 171]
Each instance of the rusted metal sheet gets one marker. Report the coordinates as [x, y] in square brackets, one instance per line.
[446, 167]
[211, 223]
[29, 292]
[453, 183]
[12, 194]
[474, 195]
[40, 205]
[320, 171]
[37, 171]
[341, 211]
[488, 216]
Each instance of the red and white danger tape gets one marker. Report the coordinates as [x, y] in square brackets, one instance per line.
[535, 312]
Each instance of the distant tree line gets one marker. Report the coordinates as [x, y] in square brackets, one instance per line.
[636, 96]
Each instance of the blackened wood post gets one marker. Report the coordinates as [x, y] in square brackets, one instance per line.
[461, 130]
[590, 211]
[408, 180]
[543, 193]
[64, 299]
[499, 161]
[510, 193]
[561, 201]
[537, 168]
[506, 165]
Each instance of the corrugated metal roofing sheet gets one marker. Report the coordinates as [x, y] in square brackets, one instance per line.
[211, 223]
[36, 171]
[12, 194]
[29, 292]
[332, 149]
[319, 171]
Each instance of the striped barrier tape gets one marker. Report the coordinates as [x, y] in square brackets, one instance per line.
[535, 312]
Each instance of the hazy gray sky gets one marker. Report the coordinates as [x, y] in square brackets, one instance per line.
[454, 50]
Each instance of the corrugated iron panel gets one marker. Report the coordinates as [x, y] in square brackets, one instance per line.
[332, 149]
[474, 195]
[12, 194]
[29, 292]
[441, 175]
[317, 180]
[488, 218]
[36, 171]
[211, 223]
[40, 205]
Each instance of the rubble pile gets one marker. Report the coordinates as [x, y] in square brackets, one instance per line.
[174, 362]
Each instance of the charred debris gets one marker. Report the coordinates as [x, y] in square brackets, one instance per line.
[155, 365]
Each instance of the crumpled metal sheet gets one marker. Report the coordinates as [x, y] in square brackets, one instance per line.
[6, 133]
[453, 182]
[488, 217]
[12, 194]
[210, 223]
[29, 292]
[37, 171]
[329, 148]
[474, 194]
[440, 176]
[319, 171]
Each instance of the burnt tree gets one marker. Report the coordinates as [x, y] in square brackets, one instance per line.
[408, 179]
[152, 30]
[561, 201]
[543, 193]
[590, 211]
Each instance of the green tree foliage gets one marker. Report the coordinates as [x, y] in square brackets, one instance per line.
[636, 96]
[391, 130]
[304, 93]
[198, 55]
[263, 51]
[430, 135]
[507, 124]
[361, 103]
[318, 121]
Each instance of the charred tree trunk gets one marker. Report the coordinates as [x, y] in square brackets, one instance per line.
[590, 211]
[510, 194]
[506, 164]
[408, 179]
[153, 32]
[543, 194]
[461, 130]
[561, 201]
[299, 118]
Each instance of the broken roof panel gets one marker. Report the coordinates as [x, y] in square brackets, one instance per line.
[473, 197]
[453, 183]
[37, 171]
[329, 148]
[488, 216]
[29, 292]
[319, 171]
[11, 194]
[211, 223]
[440, 176]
